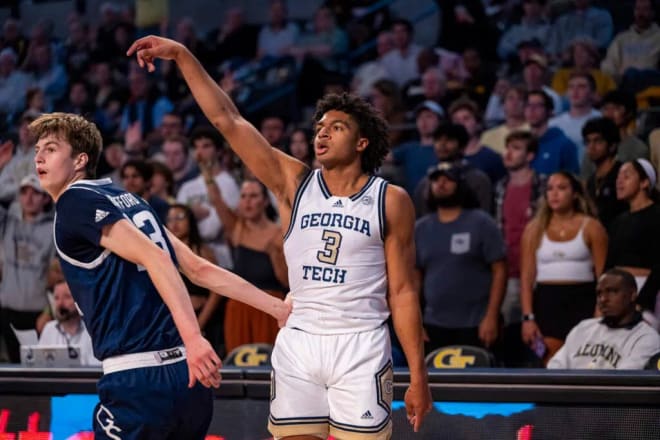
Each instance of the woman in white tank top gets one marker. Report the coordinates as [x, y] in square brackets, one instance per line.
[563, 252]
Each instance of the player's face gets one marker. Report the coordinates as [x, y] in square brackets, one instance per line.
[559, 193]
[252, 204]
[55, 166]
[177, 223]
[337, 139]
[628, 183]
[612, 299]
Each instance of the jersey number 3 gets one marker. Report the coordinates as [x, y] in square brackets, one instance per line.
[330, 252]
[141, 219]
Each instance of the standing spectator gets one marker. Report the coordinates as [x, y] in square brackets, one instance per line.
[176, 155]
[258, 255]
[601, 137]
[584, 59]
[466, 113]
[621, 107]
[620, 340]
[581, 92]
[584, 20]
[634, 235]
[279, 34]
[514, 113]
[461, 265]
[516, 200]
[27, 246]
[68, 327]
[562, 254]
[449, 141]
[556, 151]
[535, 76]
[209, 148]
[634, 54]
[401, 63]
[415, 157]
[533, 25]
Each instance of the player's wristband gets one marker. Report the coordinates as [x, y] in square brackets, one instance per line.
[528, 317]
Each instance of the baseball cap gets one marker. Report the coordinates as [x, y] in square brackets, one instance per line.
[449, 169]
[431, 106]
[537, 58]
[33, 181]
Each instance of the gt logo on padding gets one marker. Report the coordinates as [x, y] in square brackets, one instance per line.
[452, 358]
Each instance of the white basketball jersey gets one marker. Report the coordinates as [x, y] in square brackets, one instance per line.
[336, 259]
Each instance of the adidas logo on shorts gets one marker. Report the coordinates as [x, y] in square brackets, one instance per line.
[367, 415]
[338, 204]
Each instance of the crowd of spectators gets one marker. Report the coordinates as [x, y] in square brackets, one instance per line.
[525, 137]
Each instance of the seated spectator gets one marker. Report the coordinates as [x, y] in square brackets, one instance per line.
[449, 142]
[634, 234]
[584, 59]
[461, 264]
[258, 256]
[581, 93]
[562, 254]
[300, 146]
[13, 37]
[386, 99]
[77, 50]
[464, 23]
[601, 137]
[47, 73]
[367, 73]
[68, 328]
[619, 340]
[536, 76]
[233, 40]
[514, 113]
[633, 56]
[12, 82]
[556, 151]
[466, 113]
[273, 128]
[584, 20]
[533, 24]
[135, 178]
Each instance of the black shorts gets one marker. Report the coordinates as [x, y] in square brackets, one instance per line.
[560, 307]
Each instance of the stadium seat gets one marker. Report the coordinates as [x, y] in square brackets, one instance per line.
[653, 363]
[249, 355]
[459, 356]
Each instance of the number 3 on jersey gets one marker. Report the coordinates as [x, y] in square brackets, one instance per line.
[330, 252]
[141, 219]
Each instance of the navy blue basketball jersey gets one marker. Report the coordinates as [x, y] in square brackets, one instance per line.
[121, 307]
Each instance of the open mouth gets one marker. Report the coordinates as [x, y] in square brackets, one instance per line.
[321, 149]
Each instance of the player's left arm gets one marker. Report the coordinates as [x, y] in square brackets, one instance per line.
[403, 297]
[226, 283]
[127, 241]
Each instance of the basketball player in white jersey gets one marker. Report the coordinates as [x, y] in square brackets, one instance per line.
[350, 251]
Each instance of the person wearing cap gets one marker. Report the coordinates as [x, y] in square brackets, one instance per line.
[533, 24]
[535, 77]
[415, 157]
[27, 245]
[461, 264]
[556, 151]
[584, 20]
[617, 340]
[449, 142]
[634, 234]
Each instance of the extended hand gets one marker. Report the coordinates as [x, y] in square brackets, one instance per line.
[148, 48]
[418, 404]
[203, 364]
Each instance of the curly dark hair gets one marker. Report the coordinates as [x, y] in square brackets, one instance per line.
[371, 126]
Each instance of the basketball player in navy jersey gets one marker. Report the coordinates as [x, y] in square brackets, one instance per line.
[121, 265]
[350, 252]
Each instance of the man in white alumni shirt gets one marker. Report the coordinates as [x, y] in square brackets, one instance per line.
[619, 340]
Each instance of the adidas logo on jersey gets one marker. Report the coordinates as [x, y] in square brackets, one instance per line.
[338, 204]
[100, 215]
[367, 415]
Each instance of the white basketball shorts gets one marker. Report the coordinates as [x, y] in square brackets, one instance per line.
[339, 385]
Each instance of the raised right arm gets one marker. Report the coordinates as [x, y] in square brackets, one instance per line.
[278, 171]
